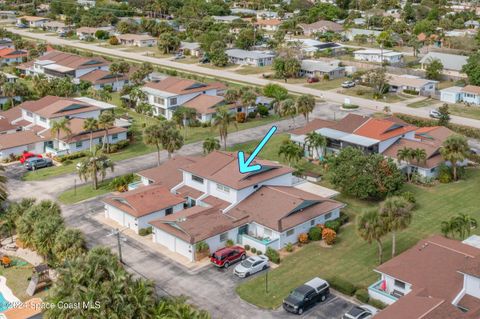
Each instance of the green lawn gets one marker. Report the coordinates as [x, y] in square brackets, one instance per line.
[83, 192]
[423, 103]
[327, 84]
[465, 111]
[367, 93]
[353, 259]
[248, 69]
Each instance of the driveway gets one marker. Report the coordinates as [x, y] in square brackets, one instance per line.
[399, 107]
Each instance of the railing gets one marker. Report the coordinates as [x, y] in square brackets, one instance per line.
[55, 152]
[260, 244]
[134, 185]
[375, 292]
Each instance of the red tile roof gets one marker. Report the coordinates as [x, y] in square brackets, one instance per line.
[311, 126]
[8, 53]
[382, 130]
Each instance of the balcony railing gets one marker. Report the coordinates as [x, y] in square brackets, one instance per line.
[376, 293]
[134, 185]
[260, 244]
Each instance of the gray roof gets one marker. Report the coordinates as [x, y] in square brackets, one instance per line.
[225, 18]
[449, 61]
[244, 54]
[190, 45]
[355, 32]
[320, 66]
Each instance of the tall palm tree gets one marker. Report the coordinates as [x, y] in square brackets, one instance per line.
[290, 151]
[69, 244]
[43, 234]
[60, 126]
[152, 135]
[90, 125]
[222, 120]
[371, 227]
[317, 142]
[210, 144]
[173, 141]
[397, 212]
[305, 105]
[105, 122]
[248, 98]
[288, 108]
[10, 90]
[406, 154]
[455, 149]
[420, 155]
[465, 224]
[93, 166]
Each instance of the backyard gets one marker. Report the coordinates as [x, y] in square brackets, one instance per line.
[351, 258]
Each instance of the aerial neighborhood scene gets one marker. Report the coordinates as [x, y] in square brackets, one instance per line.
[240, 159]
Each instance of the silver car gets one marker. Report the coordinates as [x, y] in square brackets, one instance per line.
[361, 312]
[251, 265]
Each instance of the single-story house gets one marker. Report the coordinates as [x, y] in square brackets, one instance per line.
[321, 26]
[225, 19]
[450, 62]
[135, 209]
[400, 83]
[6, 43]
[32, 21]
[309, 46]
[471, 94]
[138, 40]
[8, 56]
[322, 69]
[245, 57]
[350, 34]
[190, 48]
[84, 33]
[101, 78]
[451, 95]
[56, 26]
[269, 25]
[19, 142]
[378, 55]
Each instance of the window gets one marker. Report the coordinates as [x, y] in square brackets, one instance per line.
[173, 101]
[115, 137]
[197, 179]
[78, 144]
[169, 211]
[290, 232]
[312, 222]
[42, 119]
[255, 186]
[399, 284]
[223, 188]
[224, 237]
[29, 114]
[158, 100]
[328, 216]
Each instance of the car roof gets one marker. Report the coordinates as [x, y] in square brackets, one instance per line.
[226, 250]
[303, 289]
[356, 311]
[316, 283]
[33, 159]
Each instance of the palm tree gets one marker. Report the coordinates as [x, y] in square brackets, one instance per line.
[420, 155]
[94, 165]
[153, 136]
[449, 227]
[90, 125]
[455, 149]
[316, 142]
[105, 122]
[69, 244]
[465, 224]
[288, 108]
[173, 141]
[405, 154]
[222, 119]
[59, 126]
[9, 89]
[210, 144]
[43, 234]
[248, 98]
[305, 105]
[371, 227]
[290, 151]
[397, 212]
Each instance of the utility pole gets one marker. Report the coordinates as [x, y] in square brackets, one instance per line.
[266, 281]
[117, 232]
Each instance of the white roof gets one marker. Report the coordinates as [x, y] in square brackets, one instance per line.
[322, 66]
[449, 61]
[243, 54]
[378, 52]
[97, 103]
[473, 241]
[316, 189]
[58, 68]
[453, 89]
[347, 137]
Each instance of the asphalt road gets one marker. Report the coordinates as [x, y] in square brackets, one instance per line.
[331, 96]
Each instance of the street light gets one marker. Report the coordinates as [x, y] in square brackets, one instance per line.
[117, 232]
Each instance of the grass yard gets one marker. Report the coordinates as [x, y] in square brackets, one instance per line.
[465, 111]
[367, 93]
[423, 103]
[248, 69]
[327, 84]
[83, 192]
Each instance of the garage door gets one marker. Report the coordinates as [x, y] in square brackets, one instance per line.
[116, 215]
[165, 239]
[183, 248]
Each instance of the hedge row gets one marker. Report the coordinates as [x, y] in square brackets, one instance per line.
[343, 286]
[420, 121]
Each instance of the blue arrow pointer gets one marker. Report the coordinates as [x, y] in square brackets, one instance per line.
[244, 165]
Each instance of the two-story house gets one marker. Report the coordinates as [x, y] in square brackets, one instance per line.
[262, 209]
[172, 92]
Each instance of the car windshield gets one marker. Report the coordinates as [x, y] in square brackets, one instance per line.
[246, 263]
[296, 295]
[218, 257]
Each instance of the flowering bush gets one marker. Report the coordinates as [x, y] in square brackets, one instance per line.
[303, 238]
[329, 236]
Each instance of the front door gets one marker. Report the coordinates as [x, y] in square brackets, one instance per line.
[242, 230]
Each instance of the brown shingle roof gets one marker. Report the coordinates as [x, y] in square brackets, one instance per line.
[6, 126]
[350, 123]
[311, 126]
[103, 77]
[168, 174]
[187, 191]
[182, 86]
[73, 61]
[12, 114]
[282, 207]
[205, 104]
[55, 106]
[472, 89]
[222, 167]
[8, 141]
[322, 25]
[431, 149]
[144, 200]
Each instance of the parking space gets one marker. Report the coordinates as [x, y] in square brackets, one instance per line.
[333, 308]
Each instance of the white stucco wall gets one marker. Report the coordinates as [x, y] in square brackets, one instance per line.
[173, 244]
[36, 148]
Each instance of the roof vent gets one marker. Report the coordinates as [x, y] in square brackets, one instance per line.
[181, 219]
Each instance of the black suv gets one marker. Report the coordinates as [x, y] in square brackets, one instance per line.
[306, 296]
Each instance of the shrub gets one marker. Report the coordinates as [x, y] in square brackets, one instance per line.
[303, 238]
[342, 285]
[289, 247]
[72, 156]
[329, 236]
[344, 218]
[201, 246]
[252, 115]
[411, 92]
[262, 110]
[113, 40]
[240, 117]
[145, 231]
[229, 243]
[120, 183]
[445, 174]
[253, 250]
[377, 304]
[247, 247]
[409, 196]
[349, 106]
[259, 252]
[362, 295]
[273, 255]
[315, 234]
[333, 224]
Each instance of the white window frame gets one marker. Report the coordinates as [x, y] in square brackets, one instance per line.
[223, 188]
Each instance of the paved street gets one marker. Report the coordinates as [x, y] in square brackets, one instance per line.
[252, 79]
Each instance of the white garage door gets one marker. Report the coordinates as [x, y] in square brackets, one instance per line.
[165, 239]
[115, 214]
[183, 248]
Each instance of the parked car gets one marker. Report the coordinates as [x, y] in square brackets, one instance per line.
[28, 155]
[251, 265]
[435, 114]
[226, 256]
[348, 84]
[306, 296]
[360, 312]
[179, 56]
[36, 163]
[312, 79]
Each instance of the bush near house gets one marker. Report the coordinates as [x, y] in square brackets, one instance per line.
[289, 247]
[377, 304]
[362, 295]
[145, 231]
[303, 238]
[240, 117]
[273, 255]
[333, 224]
[262, 110]
[343, 219]
[120, 183]
[315, 234]
[329, 236]
[247, 247]
[411, 92]
[253, 250]
[201, 246]
[343, 286]
[229, 243]
[259, 252]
